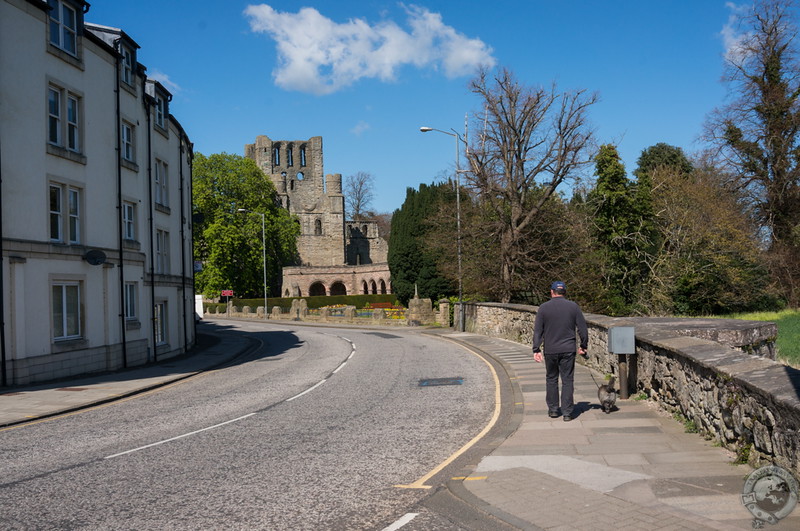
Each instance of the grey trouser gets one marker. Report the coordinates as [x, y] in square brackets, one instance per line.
[560, 364]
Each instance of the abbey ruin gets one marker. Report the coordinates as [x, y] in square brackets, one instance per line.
[336, 256]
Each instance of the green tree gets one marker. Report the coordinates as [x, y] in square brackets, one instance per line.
[620, 230]
[228, 242]
[707, 261]
[410, 262]
[759, 131]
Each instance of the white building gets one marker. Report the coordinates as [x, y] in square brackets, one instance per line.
[95, 191]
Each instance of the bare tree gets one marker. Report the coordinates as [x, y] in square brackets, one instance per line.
[531, 140]
[358, 194]
[758, 133]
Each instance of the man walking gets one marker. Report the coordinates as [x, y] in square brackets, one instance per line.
[556, 322]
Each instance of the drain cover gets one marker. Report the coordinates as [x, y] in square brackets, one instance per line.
[430, 382]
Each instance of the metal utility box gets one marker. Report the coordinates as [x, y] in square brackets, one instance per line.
[621, 340]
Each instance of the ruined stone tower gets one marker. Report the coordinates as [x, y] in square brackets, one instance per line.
[337, 257]
[295, 168]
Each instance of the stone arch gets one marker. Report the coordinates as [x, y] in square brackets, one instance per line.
[373, 287]
[317, 289]
[364, 287]
[383, 287]
[338, 288]
[317, 227]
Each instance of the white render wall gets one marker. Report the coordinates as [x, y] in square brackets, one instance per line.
[31, 262]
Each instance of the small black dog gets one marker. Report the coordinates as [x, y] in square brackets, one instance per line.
[607, 396]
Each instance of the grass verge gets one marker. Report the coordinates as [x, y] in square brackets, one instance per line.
[788, 322]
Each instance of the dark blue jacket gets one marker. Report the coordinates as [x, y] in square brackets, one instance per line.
[556, 322]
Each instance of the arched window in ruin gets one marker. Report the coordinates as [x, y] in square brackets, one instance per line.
[300, 176]
[276, 154]
[383, 287]
[291, 185]
[290, 155]
[364, 287]
[286, 293]
[374, 287]
[338, 288]
[364, 231]
[303, 155]
[317, 227]
[317, 289]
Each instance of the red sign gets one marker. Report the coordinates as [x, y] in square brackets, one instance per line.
[227, 293]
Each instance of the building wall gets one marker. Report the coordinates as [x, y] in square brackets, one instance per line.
[33, 169]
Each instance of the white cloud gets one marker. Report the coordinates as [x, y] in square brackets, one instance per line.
[359, 128]
[164, 79]
[732, 39]
[319, 56]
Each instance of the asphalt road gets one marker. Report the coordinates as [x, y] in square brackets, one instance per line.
[316, 428]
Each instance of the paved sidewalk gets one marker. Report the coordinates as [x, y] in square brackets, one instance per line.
[633, 469]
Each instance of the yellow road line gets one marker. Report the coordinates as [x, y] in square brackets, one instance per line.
[420, 483]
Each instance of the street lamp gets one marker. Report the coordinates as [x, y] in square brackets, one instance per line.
[264, 253]
[458, 138]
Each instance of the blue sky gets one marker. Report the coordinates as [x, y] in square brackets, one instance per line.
[365, 75]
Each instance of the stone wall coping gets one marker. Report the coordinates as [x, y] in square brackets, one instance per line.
[760, 374]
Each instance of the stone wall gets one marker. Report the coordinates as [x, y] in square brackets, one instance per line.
[717, 374]
[298, 281]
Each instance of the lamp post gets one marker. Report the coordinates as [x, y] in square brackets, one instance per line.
[457, 138]
[264, 252]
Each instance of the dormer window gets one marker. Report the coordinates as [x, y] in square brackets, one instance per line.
[127, 65]
[161, 111]
[64, 26]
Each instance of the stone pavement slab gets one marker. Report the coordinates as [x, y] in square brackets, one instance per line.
[635, 468]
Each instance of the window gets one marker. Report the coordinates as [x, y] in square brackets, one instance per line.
[63, 26]
[59, 196]
[74, 215]
[289, 155]
[63, 128]
[72, 124]
[130, 300]
[162, 252]
[126, 134]
[276, 155]
[317, 227]
[161, 190]
[56, 223]
[66, 300]
[160, 317]
[303, 155]
[54, 112]
[129, 221]
[127, 65]
[161, 111]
